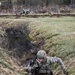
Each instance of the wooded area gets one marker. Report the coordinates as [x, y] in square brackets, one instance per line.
[18, 5]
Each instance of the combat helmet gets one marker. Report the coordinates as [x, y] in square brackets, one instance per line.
[41, 54]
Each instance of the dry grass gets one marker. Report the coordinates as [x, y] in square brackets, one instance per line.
[58, 35]
[7, 65]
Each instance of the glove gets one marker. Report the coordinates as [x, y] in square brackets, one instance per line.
[28, 69]
[65, 72]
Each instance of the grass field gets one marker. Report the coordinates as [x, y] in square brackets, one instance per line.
[58, 35]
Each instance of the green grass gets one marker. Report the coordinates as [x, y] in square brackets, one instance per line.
[58, 34]
[7, 65]
[59, 31]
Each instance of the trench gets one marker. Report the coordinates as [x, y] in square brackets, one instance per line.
[20, 45]
[17, 42]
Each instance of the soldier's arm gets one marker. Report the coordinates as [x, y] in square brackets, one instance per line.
[58, 60]
[30, 68]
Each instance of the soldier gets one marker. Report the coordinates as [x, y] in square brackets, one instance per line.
[43, 63]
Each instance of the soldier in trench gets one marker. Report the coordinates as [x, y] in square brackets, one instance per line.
[42, 65]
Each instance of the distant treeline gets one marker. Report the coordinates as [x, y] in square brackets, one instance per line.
[11, 4]
[43, 2]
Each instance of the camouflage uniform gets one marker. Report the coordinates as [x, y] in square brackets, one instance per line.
[43, 64]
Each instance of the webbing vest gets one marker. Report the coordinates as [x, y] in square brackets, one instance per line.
[45, 67]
